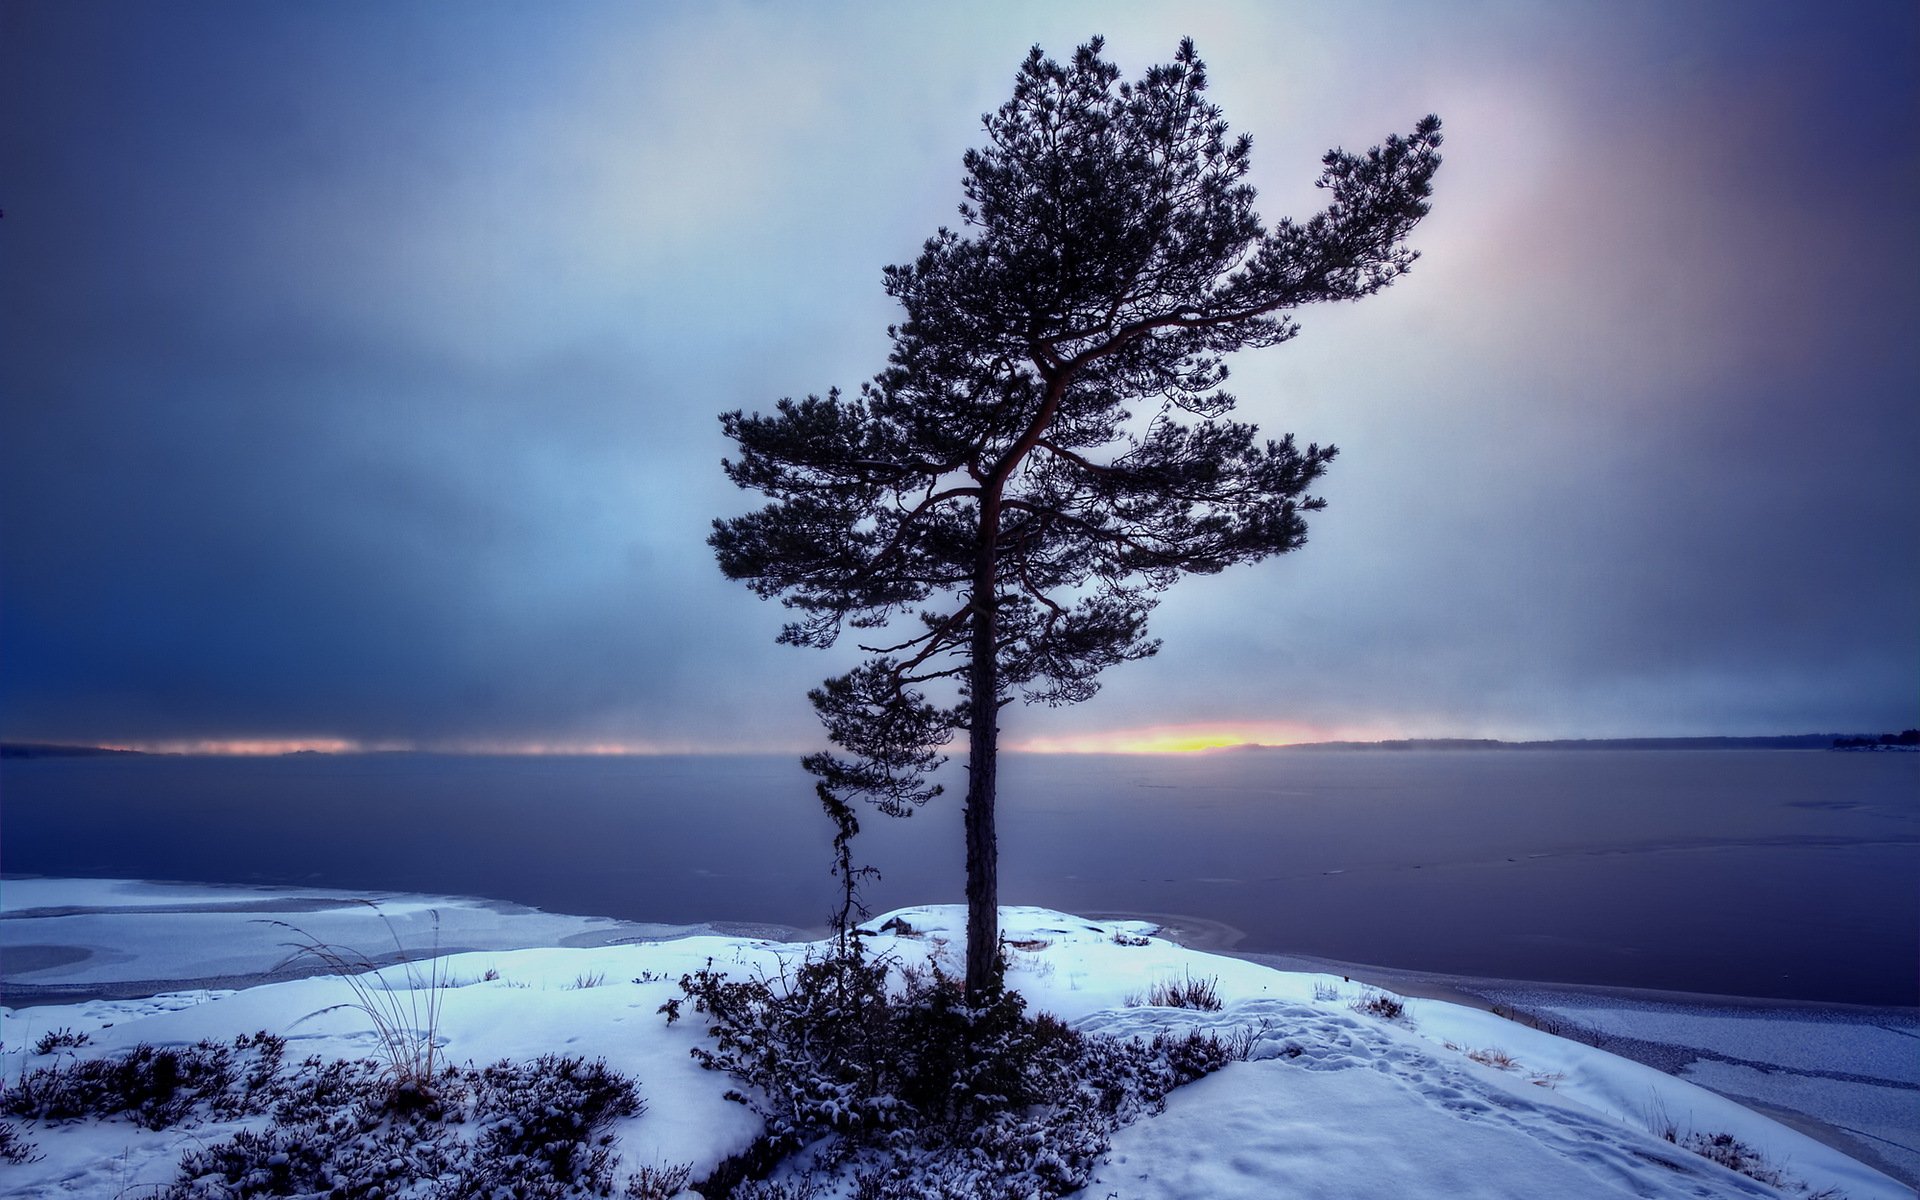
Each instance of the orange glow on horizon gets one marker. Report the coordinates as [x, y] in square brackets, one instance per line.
[1189, 739]
[601, 749]
[1195, 738]
[241, 747]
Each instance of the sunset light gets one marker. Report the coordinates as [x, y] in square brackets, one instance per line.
[260, 747]
[1187, 739]
[245, 747]
[1155, 739]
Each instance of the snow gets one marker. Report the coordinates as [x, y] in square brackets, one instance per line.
[1333, 1101]
[86, 933]
[1264, 1129]
[1855, 1070]
[1860, 1047]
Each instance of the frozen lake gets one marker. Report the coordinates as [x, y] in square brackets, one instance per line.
[1791, 874]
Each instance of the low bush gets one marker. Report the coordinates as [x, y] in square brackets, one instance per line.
[829, 1048]
[152, 1087]
[1735, 1155]
[327, 1086]
[60, 1039]
[347, 1154]
[928, 1095]
[14, 1148]
[1202, 994]
[658, 1183]
[533, 1130]
[1240, 1044]
[800, 1188]
[1729, 1151]
[1384, 1005]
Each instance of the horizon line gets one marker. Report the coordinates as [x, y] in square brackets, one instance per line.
[1092, 745]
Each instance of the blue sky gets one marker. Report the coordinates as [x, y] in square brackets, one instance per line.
[359, 364]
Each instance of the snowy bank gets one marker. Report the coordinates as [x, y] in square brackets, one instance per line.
[1339, 1097]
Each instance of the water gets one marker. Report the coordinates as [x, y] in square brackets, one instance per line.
[1758, 873]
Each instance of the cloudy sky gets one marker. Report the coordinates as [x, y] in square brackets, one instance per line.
[360, 364]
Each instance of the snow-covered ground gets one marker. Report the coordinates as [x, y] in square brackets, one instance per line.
[132, 937]
[1446, 1100]
[1854, 1071]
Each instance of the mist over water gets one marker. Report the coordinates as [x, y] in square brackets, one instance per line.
[1759, 873]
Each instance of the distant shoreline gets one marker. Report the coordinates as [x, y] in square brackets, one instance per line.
[1794, 741]
[1797, 741]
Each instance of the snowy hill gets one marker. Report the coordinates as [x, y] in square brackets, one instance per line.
[1339, 1095]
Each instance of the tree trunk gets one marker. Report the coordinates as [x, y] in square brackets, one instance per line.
[983, 735]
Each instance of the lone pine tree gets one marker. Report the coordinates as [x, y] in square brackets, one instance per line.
[1048, 447]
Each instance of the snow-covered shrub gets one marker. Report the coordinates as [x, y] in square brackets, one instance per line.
[531, 1131]
[325, 1086]
[1735, 1155]
[151, 1087]
[1045, 1148]
[1188, 992]
[929, 1096]
[812, 1043]
[1240, 1043]
[350, 1154]
[956, 1063]
[548, 1115]
[60, 1039]
[786, 1189]
[828, 1047]
[658, 1183]
[1727, 1150]
[15, 1148]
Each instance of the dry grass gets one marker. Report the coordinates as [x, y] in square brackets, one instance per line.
[406, 1025]
[1727, 1150]
[1384, 1005]
[1494, 1057]
[63, 1038]
[659, 1183]
[1186, 992]
[1735, 1155]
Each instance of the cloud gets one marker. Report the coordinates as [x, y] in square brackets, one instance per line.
[359, 368]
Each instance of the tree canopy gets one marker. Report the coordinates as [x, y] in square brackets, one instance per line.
[1049, 446]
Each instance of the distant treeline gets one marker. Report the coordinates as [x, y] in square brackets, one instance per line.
[1908, 737]
[1797, 741]
[45, 750]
